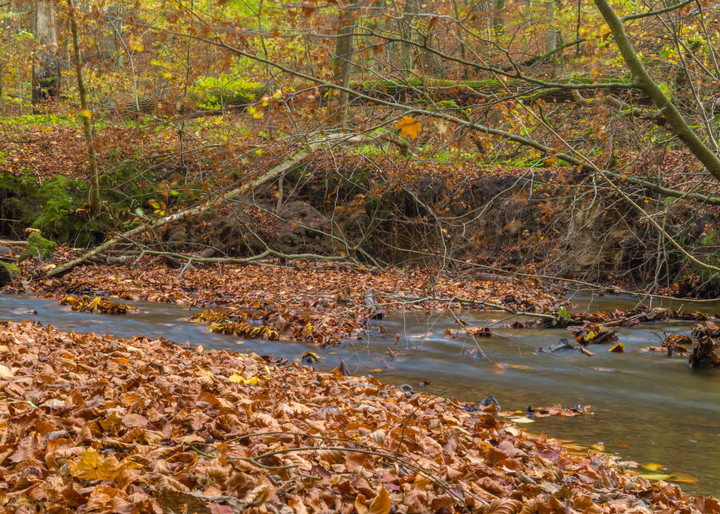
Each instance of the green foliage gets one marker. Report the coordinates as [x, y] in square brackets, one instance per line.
[44, 206]
[710, 239]
[215, 92]
[42, 120]
[448, 104]
[38, 247]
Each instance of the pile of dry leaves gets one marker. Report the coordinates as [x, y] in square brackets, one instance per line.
[97, 424]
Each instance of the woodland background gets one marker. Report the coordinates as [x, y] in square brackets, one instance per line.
[573, 139]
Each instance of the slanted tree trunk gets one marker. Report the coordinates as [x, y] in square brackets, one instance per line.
[676, 120]
[94, 195]
[46, 66]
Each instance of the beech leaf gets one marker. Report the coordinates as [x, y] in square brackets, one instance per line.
[93, 466]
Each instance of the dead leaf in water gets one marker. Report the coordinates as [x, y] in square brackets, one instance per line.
[652, 466]
[684, 478]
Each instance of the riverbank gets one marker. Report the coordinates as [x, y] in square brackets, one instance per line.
[107, 424]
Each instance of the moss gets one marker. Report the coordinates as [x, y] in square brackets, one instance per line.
[38, 247]
[11, 270]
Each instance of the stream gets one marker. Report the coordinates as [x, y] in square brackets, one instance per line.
[648, 408]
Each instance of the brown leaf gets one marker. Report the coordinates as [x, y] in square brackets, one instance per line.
[381, 503]
[25, 450]
[179, 502]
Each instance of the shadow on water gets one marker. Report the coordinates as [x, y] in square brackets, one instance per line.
[648, 407]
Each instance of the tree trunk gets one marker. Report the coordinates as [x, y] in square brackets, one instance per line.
[94, 195]
[343, 56]
[406, 33]
[114, 19]
[551, 40]
[498, 22]
[46, 66]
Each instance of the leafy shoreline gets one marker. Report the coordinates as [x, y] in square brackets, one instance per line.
[93, 423]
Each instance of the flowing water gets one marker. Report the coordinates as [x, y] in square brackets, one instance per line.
[647, 407]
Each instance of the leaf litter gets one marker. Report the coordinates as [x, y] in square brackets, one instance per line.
[97, 424]
[323, 304]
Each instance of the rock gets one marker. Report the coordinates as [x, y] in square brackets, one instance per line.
[563, 344]
[38, 248]
[8, 273]
[490, 401]
[4, 250]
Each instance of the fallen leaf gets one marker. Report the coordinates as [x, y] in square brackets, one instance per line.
[408, 126]
[94, 466]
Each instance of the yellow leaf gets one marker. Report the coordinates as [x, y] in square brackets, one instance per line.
[655, 476]
[93, 466]
[523, 419]
[85, 113]
[239, 379]
[618, 348]
[591, 335]
[408, 126]
[652, 466]
[573, 446]
[136, 44]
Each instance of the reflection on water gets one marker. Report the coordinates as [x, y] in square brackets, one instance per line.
[648, 408]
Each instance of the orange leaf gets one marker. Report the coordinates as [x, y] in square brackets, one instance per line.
[381, 503]
[408, 126]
